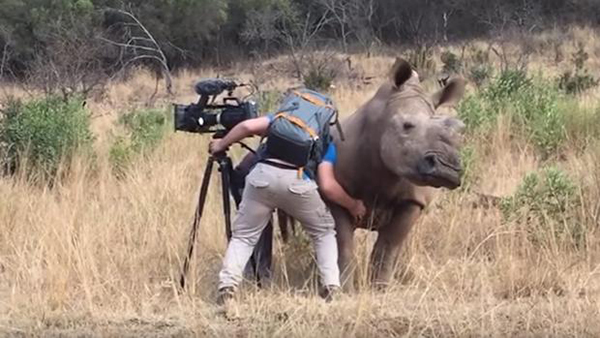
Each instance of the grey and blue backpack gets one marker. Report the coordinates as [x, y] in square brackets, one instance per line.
[299, 133]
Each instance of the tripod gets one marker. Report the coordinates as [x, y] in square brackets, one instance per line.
[260, 263]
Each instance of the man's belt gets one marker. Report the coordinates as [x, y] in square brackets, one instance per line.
[279, 165]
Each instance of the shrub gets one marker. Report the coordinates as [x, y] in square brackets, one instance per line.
[478, 67]
[533, 103]
[121, 155]
[576, 83]
[508, 83]
[475, 112]
[320, 76]
[537, 111]
[451, 62]
[145, 128]
[479, 56]
[141, 132]
[43, 133]
[579, 80]
[480, 74]
[482, 108]
[580, 57]
[468, 158]
[268, 101]
[422, 61]
[544, 204]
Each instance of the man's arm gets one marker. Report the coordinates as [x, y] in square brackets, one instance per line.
[334, 192]
[256, 126]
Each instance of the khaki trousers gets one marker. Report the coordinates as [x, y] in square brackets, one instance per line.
[268, 187]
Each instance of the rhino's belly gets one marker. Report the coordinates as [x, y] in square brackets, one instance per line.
[381, 213]
[376, 218]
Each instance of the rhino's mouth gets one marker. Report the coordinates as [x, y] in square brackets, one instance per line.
[436, 171]
[441, 181]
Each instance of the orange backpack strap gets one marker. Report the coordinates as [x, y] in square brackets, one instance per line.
[314, 100]
[311, 98]
[300, 124]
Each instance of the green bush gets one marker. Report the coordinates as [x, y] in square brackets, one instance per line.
[268, 101]
[579, 80]
[475, 112]
[480, 74]
[145, 128]
[121, 155]
[43, 133]
[141, 132]
[508, 83]
[532, 102]
[479, 70]
[536, 109]
[545, 205]
[319, 78]
[451, 62]
[482, 108]
[468, 157]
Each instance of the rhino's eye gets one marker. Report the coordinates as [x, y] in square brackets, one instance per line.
[408, 126]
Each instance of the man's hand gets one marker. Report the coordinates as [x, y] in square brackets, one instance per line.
[216, 146]
[358, 210]
[334, 192]
[256, 126]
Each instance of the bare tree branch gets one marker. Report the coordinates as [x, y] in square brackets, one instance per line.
[143, 46]
[6, 36]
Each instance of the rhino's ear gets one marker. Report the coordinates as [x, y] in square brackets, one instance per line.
[451, 93]
[401, 72]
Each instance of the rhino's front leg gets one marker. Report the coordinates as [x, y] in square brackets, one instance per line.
[345, 240]
[389, 240]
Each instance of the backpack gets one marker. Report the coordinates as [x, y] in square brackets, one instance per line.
[299, 133]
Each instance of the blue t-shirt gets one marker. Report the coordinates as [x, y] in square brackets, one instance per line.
[330, 154]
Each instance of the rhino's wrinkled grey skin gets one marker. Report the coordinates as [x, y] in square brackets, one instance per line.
[395, 153]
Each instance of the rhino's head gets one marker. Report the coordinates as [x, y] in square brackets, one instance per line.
[415, 142]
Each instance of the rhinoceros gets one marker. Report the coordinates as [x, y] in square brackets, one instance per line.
[395, 152]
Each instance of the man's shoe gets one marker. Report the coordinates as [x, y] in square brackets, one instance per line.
[329, 292]
[225, 295]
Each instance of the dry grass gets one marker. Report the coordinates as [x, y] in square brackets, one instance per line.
[99, 256]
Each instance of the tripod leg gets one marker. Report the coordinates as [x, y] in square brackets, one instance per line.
[225, 167]
[197, 217]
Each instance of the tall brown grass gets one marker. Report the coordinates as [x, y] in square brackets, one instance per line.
[98, 255]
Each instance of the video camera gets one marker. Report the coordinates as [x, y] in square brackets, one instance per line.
[207, 117]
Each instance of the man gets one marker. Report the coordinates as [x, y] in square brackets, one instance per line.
[275, 184]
